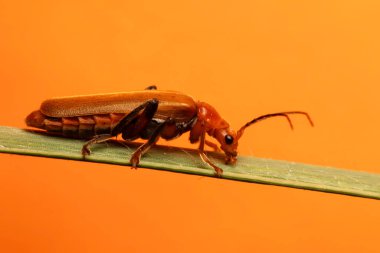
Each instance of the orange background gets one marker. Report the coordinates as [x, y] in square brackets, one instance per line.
[246, 58]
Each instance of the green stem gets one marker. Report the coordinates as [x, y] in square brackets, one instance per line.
[248, 169]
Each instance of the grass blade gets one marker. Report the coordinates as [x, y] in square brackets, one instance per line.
[248, 169]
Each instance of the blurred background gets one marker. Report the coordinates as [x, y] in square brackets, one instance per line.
[246, 58]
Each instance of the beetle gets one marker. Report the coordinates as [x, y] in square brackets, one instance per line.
[148, 114]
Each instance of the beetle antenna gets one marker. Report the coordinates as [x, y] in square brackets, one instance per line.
[281, 114]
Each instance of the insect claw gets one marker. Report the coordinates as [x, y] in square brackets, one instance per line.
[218, 172]
[134, 162]
[85, 151]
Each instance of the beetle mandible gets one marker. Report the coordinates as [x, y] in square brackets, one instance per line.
[148, 114]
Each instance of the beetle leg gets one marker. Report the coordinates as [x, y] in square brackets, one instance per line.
[202, 154]
[212, 145]
[152, 87]
[136, 156]
[96, 139]
[149, 108]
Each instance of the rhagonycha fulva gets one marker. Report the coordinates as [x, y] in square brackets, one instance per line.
[149, 114]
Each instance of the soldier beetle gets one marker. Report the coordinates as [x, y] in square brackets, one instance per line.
[148, 114]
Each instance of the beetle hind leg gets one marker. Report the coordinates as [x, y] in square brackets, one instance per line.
[136, 156]
[144, 112]
[96, 139]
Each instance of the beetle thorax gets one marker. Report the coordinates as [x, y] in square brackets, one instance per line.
[211, 118]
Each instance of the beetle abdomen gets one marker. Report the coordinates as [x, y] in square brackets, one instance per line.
[78, 127]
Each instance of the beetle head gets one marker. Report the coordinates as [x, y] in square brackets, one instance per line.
[229, 143]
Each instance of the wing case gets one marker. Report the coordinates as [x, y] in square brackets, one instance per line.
[173, 104]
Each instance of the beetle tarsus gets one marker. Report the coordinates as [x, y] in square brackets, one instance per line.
[218, 172]
[135, 160]
[85, 151]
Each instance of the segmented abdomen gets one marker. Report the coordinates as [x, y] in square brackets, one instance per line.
[77, 127]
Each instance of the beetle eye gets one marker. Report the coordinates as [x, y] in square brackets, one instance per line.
[228, 139]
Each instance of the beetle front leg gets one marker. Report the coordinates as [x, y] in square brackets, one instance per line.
[96, 139]
[202, 154]
[213, 146]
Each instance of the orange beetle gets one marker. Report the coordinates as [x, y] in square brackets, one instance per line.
[148, 114]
